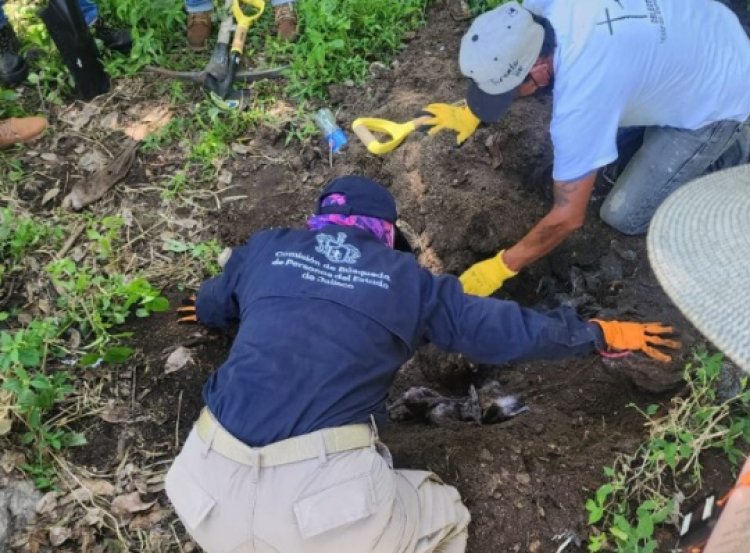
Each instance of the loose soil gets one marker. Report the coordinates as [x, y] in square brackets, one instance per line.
[525, 480]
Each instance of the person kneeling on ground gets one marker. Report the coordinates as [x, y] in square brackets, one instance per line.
[630, 83]
[285, 456]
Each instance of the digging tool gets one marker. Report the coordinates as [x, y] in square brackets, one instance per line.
[218, 65]
[236, 99]
[221, 88]
[221, 72]
[69, 32]
[365, 126]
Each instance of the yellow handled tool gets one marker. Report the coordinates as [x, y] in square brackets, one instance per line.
[244, 21]
[365, 126]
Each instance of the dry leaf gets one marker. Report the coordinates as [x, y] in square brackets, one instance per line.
[115, 413]
[146, 521]
[98, 487]
[59, 535]
[178, 359]
[5, 421]
[185, 223]
[129, 503]
[50, 195]
[127, 216]
[79, 495]
[78, 119]
[47, 503]
[94, 517]
[149, 123]
[109, 121]
[12, 460]
[95, 186]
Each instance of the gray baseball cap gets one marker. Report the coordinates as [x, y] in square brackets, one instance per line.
[497, 53]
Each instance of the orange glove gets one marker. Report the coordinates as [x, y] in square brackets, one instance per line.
[637, 336]
[186, 314]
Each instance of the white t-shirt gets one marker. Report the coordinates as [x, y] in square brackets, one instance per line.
[622, 63]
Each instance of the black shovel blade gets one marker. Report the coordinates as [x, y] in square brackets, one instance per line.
[66, 26]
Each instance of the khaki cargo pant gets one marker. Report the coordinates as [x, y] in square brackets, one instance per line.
[347, 502]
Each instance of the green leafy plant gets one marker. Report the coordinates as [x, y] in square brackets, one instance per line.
[206, 253]
[92, 298]
[33, 393]
[639, 490]
[340, 38]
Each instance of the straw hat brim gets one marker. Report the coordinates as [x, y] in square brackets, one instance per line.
[699, 248]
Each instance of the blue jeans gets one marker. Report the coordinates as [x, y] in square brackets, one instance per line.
[89, 9]
[193, 6]
[668, 159]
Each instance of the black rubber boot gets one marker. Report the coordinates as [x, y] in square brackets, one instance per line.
[13, 68]
[113, 39]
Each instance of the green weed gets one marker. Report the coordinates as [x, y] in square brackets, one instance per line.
[639, 491]
[340, 38]
[205, 253]
[91, 299]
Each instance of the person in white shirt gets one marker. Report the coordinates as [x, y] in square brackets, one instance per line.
[673, 73]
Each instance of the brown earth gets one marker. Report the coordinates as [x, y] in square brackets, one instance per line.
[525, 480]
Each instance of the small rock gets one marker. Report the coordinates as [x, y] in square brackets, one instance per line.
[49, 156]
[225, 177]
[241, 149]
[486, 456]
[178, 359]
[18, 502]
[523, 478]
[378, 69]
[32, 153]
[349, 83]
[534, 546]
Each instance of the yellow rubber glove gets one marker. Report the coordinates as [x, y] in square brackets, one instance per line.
[456, 118]
[638, 336]
[483, 278]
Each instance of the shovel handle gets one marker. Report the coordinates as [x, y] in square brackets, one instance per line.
[397, 131]
[364, 134]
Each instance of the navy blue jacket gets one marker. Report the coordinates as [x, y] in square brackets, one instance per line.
[327, 317]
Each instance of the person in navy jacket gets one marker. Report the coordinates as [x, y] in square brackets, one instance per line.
[285, 456]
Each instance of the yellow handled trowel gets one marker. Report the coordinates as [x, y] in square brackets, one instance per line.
[364, 127]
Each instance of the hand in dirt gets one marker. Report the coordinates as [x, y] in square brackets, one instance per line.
[483, 278]
[456, 118]
[639, 336]
[186, 314]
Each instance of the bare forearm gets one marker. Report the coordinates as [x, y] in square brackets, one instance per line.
[548, 233]
[566, 216]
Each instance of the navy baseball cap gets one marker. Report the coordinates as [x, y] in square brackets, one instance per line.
[363, 197]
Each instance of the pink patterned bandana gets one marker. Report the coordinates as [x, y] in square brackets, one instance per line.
[382, 230]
